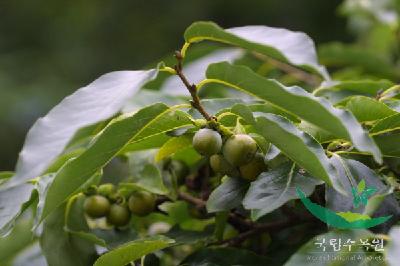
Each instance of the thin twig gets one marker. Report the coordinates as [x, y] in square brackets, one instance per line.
[298, 73]
[195, 102]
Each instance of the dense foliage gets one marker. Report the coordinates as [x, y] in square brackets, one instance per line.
[199, 161]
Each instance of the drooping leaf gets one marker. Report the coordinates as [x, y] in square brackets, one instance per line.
[149, 121]
[132, 251]
[288, 46]
[295, 100]
[274, 188]
[98, 101]
[366, 109]
[228, 195]
[298, 146]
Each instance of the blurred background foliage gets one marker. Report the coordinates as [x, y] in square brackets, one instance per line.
[48, 49]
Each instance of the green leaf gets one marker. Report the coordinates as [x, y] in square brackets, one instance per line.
[149, 121]
[344, 89]
[132, 251]
[173, 145]
[288, 46]
[13, 201]
[392, 250]
[228, 195]
[389, 143]
[225, 257]
[310, 250]
[98, 101]
[385, 125]
[297, 101]
[274, 188]
[62, 248]
[298, 146]
[366, 109]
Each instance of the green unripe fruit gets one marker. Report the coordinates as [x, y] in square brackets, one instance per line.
[96, 206]
[254, 168]
[141, 203]
[207, 142]
[239, 149]
[106, 189]
[118, 215]
[220, 165]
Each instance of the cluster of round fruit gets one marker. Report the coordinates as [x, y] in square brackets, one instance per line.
[237, 156]
[117, 210]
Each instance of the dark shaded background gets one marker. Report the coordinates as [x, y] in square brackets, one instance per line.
[48, 48]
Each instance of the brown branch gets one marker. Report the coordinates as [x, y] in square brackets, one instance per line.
[195, 102]
[298, 73]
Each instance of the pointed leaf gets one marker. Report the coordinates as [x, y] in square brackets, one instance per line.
[98, 101]
[297, 101]
[149, 121]
[132, 251]
[298, 146]
[282, 44]
[228, 195]
[274, 188]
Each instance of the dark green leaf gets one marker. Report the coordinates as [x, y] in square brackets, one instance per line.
[366, 109]
[288, 46]
[295, 100]
[298, 146]
[147, 122]
[228, 195]
[274, 188]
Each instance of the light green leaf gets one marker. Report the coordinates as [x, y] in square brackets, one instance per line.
[172, 146]
[297, 101]
[147, 122]
[98, 101]
[366, 109]
[274, 188]
[132, 251]
[288, 46]
[298, 146]
[387, 124]
[148, 178]
[228, 195]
